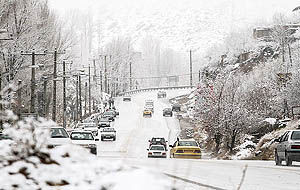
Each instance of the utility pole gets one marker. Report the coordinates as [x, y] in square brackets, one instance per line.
[85, 97]
[64, 93]
[105, 74]
[191, 69]
[45, 96]
[33, 66]
[55, 53]
[77, 101]
[80, 99]
[130, 75]
[199, 76]
[19, 98]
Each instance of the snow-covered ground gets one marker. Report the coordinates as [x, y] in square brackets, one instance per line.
[134, 131]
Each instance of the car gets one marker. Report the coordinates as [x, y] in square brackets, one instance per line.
[158, 141]
[88, 127]
[149, 104]
[127, 98]
[288, 148]
[176, 107]
[167, 112]
[147, 113]
[84, 139]
[116, 113]
[110, 115]
[58, 136]
[187, 148]
[104, 122]
[108, 133]
[4, 137]
[161, 94]
[157, 151]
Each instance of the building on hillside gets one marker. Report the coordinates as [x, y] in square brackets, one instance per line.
[262, 33]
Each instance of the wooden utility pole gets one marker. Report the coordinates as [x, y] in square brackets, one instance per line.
[45, 96]
[191, 69]
[64, 93]
[19, 98]
[33, 66]
[55, 53]
[130, 75]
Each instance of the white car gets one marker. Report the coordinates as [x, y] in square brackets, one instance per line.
[59, 136]
[157, 151]
[85, 139]
[88, 127]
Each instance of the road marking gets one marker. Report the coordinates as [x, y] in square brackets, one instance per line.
[193, 182]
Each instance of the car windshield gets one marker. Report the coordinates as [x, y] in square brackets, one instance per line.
[187, 143]
[158, 140]
[109, 113]
[157, 148]
[59, 133]
[109, 130]
[81, 136]
[104, 119]
[88, 125]
[295, 135]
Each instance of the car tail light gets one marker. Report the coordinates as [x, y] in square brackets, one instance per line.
[150, 153]
[179, 151]
[163, 153]
[295, 147]
[197, 151]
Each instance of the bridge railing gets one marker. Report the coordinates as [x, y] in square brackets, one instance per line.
[155, 89]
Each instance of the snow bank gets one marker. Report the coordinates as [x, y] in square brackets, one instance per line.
[271, 121]
[27, 163]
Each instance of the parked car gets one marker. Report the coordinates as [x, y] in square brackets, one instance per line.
[288, 148]
[158, 141]
[161, 94]
[176, 107]
[127, 98]
[108, 133]
[110, 115]
[104, 122]
[88, 127]
[147, 113]
[85, 139]
[167, 112]
[116, 113]
[58, 136]
[157, 151]
[4, 137]
[185, 149]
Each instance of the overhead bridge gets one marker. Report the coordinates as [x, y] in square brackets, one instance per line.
[156, 89]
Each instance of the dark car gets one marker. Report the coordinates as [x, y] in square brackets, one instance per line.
[104, 122]
[161, 94]
[110, 115]
[126, 98]
[158, 141]
[288, 148]
[167, 112]
[176, 107]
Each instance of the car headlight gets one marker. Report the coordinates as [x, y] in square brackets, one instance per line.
[92, 146]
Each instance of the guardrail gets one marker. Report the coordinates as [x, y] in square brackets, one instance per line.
[154, 89]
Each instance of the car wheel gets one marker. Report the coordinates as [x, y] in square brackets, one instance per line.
[288, 160]
[101, 139]
[277, 159]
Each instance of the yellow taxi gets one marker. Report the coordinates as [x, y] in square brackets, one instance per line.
[187, 148]
[147, 112]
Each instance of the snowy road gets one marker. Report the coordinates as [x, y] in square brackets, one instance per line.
[134, 131]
